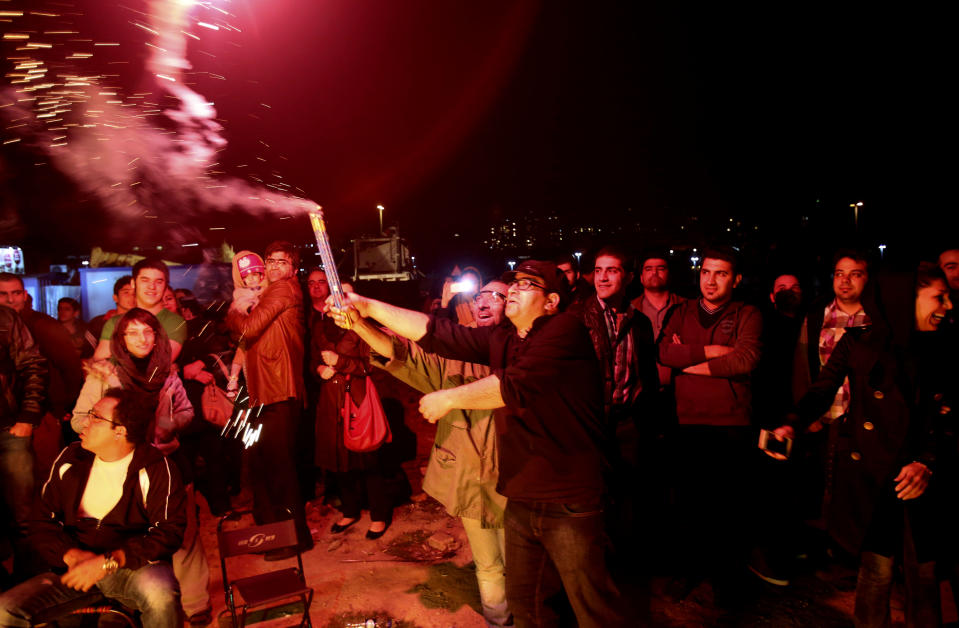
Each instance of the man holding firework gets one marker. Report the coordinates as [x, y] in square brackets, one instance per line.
[547, 393]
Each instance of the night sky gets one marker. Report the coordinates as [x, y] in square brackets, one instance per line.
[452, 114]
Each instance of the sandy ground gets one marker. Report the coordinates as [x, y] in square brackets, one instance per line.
[401, 580]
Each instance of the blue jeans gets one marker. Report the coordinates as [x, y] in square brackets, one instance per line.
[151, 589]
[16, 475]
[555, 547]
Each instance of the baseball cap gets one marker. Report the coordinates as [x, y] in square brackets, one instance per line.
[551, 276]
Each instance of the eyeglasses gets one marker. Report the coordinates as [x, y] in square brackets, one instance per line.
[489, 295]
[274, 261]
[98, 417]
[525, 284]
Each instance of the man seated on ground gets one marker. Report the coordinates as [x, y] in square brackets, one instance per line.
[110, 516]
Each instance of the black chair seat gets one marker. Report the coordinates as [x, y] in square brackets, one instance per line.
[270, 587]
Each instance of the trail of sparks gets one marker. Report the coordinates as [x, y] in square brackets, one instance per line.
[144, 155]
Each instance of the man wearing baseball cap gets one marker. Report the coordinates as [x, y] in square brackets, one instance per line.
[547, 392]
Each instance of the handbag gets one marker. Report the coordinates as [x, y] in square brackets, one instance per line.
[217, 407]
[365, 427]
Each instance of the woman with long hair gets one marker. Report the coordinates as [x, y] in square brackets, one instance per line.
[141, 361]
[882, 452]
[340, 361]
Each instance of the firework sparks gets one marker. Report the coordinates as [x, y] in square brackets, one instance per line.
[145, 155]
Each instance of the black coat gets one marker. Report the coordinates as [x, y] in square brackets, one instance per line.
[884, 430]
[550, 435]
[23, 373]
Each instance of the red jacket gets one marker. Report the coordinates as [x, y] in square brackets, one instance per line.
[724, 398]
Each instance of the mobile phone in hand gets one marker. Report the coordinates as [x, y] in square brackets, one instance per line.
[779, 449]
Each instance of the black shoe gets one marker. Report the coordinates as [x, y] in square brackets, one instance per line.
[375, 535]
[337, 528]
[280, 554]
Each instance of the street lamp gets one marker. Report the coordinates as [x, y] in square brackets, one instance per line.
[381, 208]
[578, 255]
[511, 264]
[882, 251]
[855, 214]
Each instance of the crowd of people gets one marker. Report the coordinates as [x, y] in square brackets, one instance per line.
[576, 413]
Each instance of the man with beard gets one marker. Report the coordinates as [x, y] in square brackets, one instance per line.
[273, 333]
[463, 469]
[546, 390]
[657, 299]
[579, 288]
[712, 345]
[825, 325]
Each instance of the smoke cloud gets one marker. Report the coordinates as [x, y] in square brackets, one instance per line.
[142, 160]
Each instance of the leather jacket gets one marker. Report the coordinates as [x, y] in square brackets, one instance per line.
[23, 373]
[272, 334]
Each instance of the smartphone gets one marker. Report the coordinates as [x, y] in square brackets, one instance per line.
[769, 443]
[465, 285]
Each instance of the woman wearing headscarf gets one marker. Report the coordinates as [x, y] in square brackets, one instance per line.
[141, 361]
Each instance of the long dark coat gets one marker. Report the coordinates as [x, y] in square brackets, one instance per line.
[884, 430]
[353, 363]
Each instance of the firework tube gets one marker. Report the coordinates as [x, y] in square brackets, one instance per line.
[326, 255]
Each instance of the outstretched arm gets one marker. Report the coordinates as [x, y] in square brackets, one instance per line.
[483, 394]
[406, 323]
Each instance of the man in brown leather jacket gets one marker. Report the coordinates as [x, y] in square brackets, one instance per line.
[272, 333]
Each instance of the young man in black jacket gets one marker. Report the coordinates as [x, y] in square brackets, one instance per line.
[110, 516]
[23, 385]
[547, 392]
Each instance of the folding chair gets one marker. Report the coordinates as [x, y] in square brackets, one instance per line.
[264, 588]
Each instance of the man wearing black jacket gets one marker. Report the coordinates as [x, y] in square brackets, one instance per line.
[547, 392]
[110, 516]
[23, 384]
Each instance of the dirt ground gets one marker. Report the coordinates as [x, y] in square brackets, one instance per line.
[420, 575]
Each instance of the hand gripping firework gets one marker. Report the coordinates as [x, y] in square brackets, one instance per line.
[329, 264]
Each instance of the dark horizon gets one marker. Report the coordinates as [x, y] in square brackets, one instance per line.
[453, 117]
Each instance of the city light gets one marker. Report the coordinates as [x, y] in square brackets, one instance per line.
[511, 263]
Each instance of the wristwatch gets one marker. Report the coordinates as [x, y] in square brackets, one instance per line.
[110, 563]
